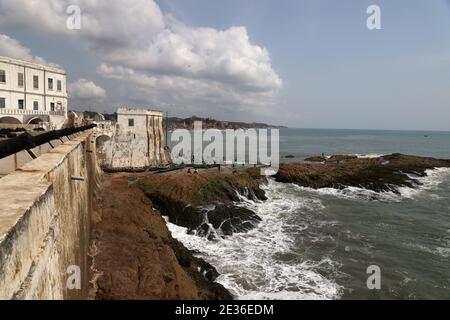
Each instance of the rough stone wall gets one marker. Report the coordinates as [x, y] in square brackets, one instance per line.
[45, 222]
[151, 140]
[138, 146]
[159, 141]
[129, 148]
[57, 121]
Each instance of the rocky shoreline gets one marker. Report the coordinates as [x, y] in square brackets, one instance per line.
[135, 255]
[205, 203]
[385, 173]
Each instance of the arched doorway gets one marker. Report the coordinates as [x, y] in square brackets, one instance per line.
[102, 144]
[101, 141]
[10, 120]
[35, 121]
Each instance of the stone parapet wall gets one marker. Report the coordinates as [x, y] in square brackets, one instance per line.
[45, 209]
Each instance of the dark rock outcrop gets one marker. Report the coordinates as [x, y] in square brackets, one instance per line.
[230, 219]
[206, 202]
[209, 222]
[179, 213]
[134, 255]
[378, 174]
[316, 159]
[333, 158]
[341, 157]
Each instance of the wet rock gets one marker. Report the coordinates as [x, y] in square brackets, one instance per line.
[179, 213]
[205, 203]
[385, 173]
[205, 273]
[232, 219]
[254, 194]
[211, 222]
[260, 194]
[343, 157]
[316, 159]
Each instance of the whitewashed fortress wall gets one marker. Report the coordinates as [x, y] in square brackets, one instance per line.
[136, 141]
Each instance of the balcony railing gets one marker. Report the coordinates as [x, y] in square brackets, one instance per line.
[23, 112]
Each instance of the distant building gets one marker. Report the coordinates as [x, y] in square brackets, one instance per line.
[98, 117]
[75, 119]
[31, 93]
[136, 140]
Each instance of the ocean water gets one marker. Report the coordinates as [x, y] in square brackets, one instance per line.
[303, 143]
[318, 244]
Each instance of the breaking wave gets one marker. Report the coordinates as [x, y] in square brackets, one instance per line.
[369, 156]
[262, 264]
[432, 180]
[354, 193]
[294, 253]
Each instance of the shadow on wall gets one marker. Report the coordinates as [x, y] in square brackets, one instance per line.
[45, 213]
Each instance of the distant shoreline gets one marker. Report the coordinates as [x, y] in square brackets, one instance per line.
[377, 130]
[208, 123]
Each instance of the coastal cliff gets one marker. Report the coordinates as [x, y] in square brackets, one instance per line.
[205, 202]
[134, 255]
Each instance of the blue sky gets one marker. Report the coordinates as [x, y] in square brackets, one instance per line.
[321, 66]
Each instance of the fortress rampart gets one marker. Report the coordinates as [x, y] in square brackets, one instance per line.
[45, 213]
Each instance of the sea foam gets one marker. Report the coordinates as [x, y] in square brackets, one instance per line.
[250, 263]
[433, 179]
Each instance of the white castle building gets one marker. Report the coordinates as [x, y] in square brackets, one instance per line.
[31, 93]
[135, 141]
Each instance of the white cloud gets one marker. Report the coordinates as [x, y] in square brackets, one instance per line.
[104, 24]
[12, 48]
[155, 58]
[86, 90]
[189, 96]
[205, 53]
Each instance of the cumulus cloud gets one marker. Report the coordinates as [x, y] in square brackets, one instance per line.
[12, 48]
[86, 90]
[102, 20]
[154, 57]
[205, 53]
[170, 91]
